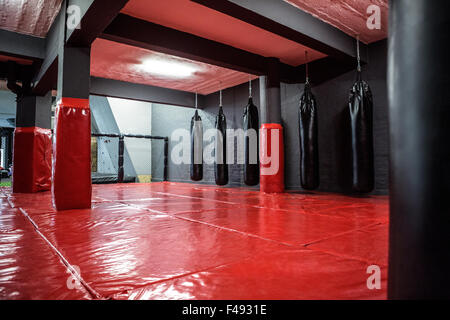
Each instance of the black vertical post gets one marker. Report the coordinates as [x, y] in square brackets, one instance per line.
[32, 170]
[166, 159]
[9, 144]
[120, 174]
[270, 96]
[270, 107]
[419, 110]
[1, 140]
[72, 137]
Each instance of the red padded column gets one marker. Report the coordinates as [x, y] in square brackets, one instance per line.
[32, 158]
[72, 155]
[271, 148]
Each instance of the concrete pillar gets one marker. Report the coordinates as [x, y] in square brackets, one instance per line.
[72, 187]
[419, 111]
[270, 97]
[271, 144]
[32, 151]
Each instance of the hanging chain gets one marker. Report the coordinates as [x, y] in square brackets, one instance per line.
[358, 57]
[220, 93]
[250, 87]
[196, 100]
[306, 66]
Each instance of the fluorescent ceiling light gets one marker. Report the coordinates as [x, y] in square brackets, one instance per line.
[168, 68]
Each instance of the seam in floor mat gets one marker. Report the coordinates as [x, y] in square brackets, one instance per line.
[253, 235]
[322, 214]
[303, 249]
[191, 197]
[210, 225]
[111, 296]
[234, 230]
[250, 234]
[303, 245]
[200, 271]
[332, 253]
[94, 294]
[309, 246]
[342, 233]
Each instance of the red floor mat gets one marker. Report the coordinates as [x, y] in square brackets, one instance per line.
[367, 244]
[118, 255]
[287, 274]
[295, 228]
[174, 240]
[29, 268]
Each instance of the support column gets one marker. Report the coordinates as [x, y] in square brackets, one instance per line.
[120, 167]
[32, 151]
[271, 133]
[72, 187]
[9, 145]
[419, 110]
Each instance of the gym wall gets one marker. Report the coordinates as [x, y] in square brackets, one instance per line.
[334, 143]
[334, 135]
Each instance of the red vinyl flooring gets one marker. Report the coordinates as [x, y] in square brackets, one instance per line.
[186, 241]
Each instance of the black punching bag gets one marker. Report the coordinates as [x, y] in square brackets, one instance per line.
[419, 116]
[251, 126]
[220, 164]
[196, 147]
[309, 149]
[361, 106]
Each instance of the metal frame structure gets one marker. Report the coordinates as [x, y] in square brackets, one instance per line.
[120, 174]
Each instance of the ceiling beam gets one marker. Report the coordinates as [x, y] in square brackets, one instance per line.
[141, 92]
[144, 34]
[96, 15]
[21, 46]
[283, 19]
[23, 72]
[127, 90]
[325, 69]
[46, 77]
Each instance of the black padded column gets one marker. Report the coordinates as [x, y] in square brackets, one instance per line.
[271, 181]
[34, 111]
[419, 110]
[270, 98]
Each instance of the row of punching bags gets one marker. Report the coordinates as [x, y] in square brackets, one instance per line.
[360, 109]
[251, 170]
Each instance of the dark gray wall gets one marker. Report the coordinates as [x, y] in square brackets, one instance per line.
[165, 119]
[234, 100]
[334, 135]
[334, 138]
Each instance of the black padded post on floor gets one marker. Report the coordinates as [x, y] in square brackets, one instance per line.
[121, 173]
[419, 110]
[270, 93]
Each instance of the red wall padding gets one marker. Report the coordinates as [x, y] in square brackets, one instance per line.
[271, 163]
[32, 160]
[72, 187]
